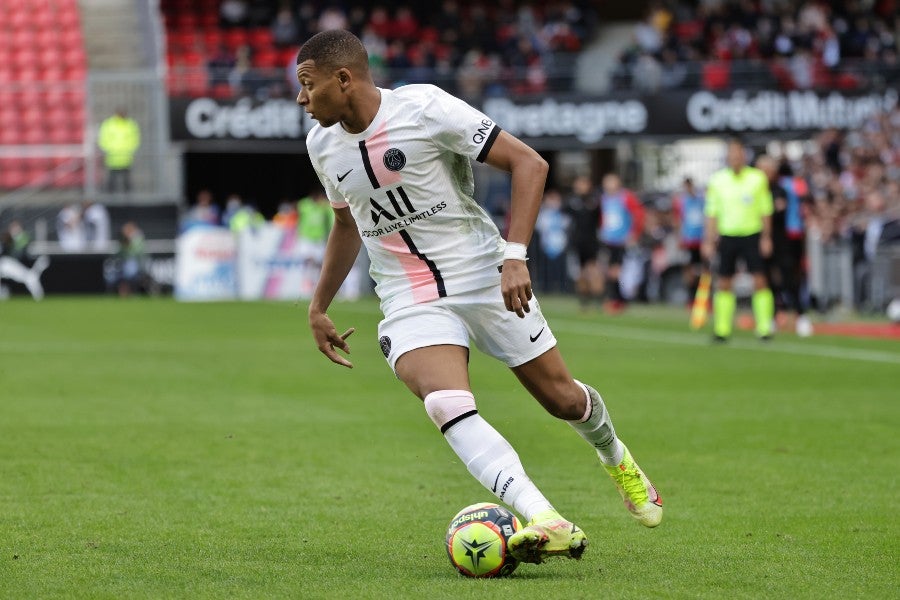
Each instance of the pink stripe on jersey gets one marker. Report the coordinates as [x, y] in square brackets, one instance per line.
[376, 146]
[421, 280]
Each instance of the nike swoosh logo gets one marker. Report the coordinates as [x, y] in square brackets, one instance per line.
[344, 176]
[494, 489]
[534, 338]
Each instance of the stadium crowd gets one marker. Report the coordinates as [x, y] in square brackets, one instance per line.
[851, 200]
[468, 47]
[785, 44]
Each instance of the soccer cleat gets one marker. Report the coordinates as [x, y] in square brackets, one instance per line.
[640, 497]
[547, 535]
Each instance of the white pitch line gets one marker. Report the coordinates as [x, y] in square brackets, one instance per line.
[687, 339]
[697, 339]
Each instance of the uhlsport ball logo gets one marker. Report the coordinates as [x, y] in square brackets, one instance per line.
[477, 540]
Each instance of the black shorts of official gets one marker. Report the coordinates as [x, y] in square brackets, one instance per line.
[615, 255]
[745, 248]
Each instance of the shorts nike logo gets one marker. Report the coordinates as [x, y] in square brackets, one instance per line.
[494, 489]
[344, 176]
[534, 338]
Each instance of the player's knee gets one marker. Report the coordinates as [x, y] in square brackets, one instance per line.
[448, 407]
[565, 401]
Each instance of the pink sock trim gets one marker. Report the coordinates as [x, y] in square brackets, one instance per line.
[443, 406]
[590, 405]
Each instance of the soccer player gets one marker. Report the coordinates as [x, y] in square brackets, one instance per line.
[739, 213]
[395, 166]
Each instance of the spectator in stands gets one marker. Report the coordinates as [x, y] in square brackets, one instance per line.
[14, 242]
[284, 28]
[205, 212]
[220, 65]
[552, 227]
[70, 229]
[128, 272]
[286, 217]
[233, 13]
[96, 225]
[241, 216]
[119, 138]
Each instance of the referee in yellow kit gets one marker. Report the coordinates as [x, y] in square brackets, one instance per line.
[739, 213]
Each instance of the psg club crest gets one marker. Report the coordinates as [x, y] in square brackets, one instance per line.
[385, 343]
[394, 159]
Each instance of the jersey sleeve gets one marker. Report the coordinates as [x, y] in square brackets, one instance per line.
[334, 197]
[456, 126]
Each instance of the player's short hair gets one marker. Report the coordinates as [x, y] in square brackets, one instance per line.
[333, 49]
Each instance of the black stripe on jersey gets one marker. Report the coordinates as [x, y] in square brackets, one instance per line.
[456, 420]
[438, 278]
[365, 156]
[492, 136]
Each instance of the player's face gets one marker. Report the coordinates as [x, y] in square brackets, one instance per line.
[320, 94]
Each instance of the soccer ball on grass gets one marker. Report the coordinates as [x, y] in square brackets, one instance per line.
[477, 538]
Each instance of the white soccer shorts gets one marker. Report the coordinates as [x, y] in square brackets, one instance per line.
[479, 316]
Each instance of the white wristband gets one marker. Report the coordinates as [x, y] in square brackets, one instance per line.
[515, 251]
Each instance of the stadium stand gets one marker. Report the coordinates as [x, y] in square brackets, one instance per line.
[234, 48]
[43, 69]
[787, 45]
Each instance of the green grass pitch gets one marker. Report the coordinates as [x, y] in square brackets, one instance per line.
[157, 450]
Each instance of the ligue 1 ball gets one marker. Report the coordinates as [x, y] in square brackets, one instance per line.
[477, 538]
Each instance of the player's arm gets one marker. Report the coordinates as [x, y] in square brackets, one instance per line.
[340, 254]
[529, 174]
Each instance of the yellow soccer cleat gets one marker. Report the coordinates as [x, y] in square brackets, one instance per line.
[547, 534]
[640, 497]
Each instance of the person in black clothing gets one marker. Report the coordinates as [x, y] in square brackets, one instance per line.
[583, 204]
[784, 268]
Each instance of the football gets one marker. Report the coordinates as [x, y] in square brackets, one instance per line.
[477, 539]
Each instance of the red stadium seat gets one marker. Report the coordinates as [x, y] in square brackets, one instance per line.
[235, 38]
[22, 38]
[212, 38]
[221, 91]
[25, 58]
[34, 135]
[10, 137]
[267, 59]
[260, 38]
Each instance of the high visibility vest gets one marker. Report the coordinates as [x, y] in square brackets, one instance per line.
[119, 138]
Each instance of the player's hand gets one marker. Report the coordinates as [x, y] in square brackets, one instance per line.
[515, 285]
[706, 250]
[327, 339]
[765, 246]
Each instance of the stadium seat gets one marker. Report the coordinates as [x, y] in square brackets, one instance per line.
[260, 38]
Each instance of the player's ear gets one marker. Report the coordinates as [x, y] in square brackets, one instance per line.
[343, 77]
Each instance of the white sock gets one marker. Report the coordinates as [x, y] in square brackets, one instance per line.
[487, 455]
[597, 429]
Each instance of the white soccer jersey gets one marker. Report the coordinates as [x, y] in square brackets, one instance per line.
[408, 182]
